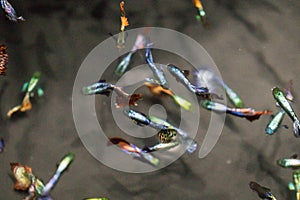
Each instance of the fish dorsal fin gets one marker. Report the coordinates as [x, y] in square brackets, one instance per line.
[294, 156]
[186, 73]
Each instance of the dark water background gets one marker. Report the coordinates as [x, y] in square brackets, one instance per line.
[255, 45]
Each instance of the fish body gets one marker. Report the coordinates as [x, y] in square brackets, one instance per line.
[217, 107]
[188, 142]
[279, 96]
[22, 175]
[201, 13]
[3, 59]
[275, 122]
[158, 73]
[289, 163]
[62, 167]
[166, 135]
[121, 68]
[2, 145]
[158, 90]
[180, 76]
[140, 118]
[262, 192]
[295, 185]
[131, 149]
[10, 11]
[100, 87]
[161, 146]
[248, 113]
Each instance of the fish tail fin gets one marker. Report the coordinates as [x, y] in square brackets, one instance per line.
[186, 105]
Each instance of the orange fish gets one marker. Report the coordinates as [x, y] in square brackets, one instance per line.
[124, 20]
[3, 59]
[22, 174]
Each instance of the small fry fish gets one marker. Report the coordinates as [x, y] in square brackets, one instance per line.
[295, 185]
[262, 192]
[248, 113]
[157, 72]
[275, 122]
[131, 149]
[3, 59]
[22, 174]
[100, 87]
[2, 145]
[201, 13]
[62, 167]
[279, 96]
[158, 90]
[10, 12]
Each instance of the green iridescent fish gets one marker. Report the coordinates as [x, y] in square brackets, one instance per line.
[295, 185]
[275, 122]
[279, 96]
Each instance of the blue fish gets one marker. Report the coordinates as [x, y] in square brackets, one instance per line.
[1, 145]
[10, 11]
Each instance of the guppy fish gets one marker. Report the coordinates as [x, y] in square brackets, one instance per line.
[188, 143]
[62, 167]
[141, 119]
[262, 192]
[10, 12]
[279, 96]
[205, 77]
[123, 99]
[2, 145]
[292, 163]
[3, 59]
[100, 87]
[158, 90]
[124, 23]
[29, 87]
[139, 44]
[166, 135]
[22, 174]
[275, 122]
[295, 185]
[248, 113]
[201, 13]
[131, 149]
[157, 72]
[200, 91]
[25, 106]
